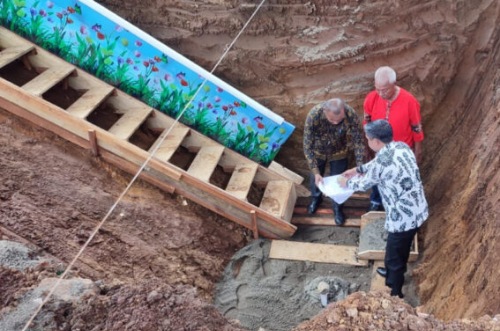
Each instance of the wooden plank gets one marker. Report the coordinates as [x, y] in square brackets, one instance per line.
[371, 216]
[205, 162]
[10, 54]
[379, 255]
[304, 220]
[125, 127]
[378, 282]
[278, 168]
[324, 253]
[170, 144]
[48, 79]
[279, 199]
[89, 101]
[241, 180]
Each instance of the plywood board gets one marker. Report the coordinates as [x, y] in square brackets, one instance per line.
[241, 180]
[205, 162]
[278, 197]
[324, 253]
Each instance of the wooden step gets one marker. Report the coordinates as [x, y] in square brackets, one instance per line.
[170, 144]
[89, 101]
[125, 127]
[314, 252]
[241, 180]
[279, 199]
[13, 53]
[205, 162]
[48, 79]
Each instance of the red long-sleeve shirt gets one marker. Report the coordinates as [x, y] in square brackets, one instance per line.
[403, 114]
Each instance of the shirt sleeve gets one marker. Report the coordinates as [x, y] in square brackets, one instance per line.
[368, 108]
[357, 138]
[370, 178]
[309, 144]
[416, 120]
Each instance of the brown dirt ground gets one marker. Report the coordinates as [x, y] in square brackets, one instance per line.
[294, 55]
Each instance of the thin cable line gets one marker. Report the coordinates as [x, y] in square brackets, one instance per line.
[125, 191]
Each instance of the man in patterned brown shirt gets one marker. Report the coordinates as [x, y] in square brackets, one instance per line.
[332, 129]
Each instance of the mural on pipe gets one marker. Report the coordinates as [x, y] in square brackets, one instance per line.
[105, 45]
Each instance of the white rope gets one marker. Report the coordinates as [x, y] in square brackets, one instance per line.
[143, 166]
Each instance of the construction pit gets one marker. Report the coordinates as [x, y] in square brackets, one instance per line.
[162, 262]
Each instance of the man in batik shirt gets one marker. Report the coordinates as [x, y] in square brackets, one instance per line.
[394, 169]
[331, 130]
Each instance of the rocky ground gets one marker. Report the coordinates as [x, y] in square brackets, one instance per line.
[155, 264]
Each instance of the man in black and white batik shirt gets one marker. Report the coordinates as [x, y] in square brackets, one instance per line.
[394, 169]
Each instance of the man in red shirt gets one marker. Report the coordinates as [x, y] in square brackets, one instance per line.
[398, 106]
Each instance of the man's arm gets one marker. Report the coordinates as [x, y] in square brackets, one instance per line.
[418, 152]
[308, 145]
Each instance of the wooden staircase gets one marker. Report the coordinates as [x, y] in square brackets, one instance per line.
[125, 131]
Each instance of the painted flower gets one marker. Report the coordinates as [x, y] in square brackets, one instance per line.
[244, 120]
[282, 130]
[406, 184]
[118, 28]
[209, 105]
[206, 88]
[124, 42]
[184, 83]
[220, 90]
[260, 125]
[217, 99]
[225, 108]
[59, 15]
[232, 112]
[137, 54]
[42, 13]
[138, 43]
[236, 104]
[154, 69]
[120, 60]
[275, 146]
[100, 36]
[83, 30]
[69, 20]
[168, 77]
[71, 9]
[146, 63]
[157, 58]
[96, 27]
[33, 11]
[136, 68]
[50, 4]
[130, 61]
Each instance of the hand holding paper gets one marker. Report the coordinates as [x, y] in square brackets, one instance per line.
[331, 188]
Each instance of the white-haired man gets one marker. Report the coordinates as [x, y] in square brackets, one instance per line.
[398, 106]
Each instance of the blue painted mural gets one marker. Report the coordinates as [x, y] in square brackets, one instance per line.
[100, 42]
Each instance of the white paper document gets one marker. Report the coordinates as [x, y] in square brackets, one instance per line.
[331, 188]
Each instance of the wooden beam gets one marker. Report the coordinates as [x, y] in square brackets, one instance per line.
[93, 143]
[275, 166]
[170, 144]
[48, 79]
[255, 226]
[304, 220]
[126, 126]
[10, 54]
[324, 253]
[89, 101]
[205, 162]
[378, 282]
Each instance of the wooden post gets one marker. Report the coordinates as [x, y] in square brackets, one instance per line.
[93, 143]
[255, 227]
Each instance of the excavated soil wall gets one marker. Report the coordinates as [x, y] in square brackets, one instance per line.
[296, 54]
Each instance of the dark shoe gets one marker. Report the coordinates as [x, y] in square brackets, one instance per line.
[339, 214]
[313, 206]
[382, 272]
[375, 207]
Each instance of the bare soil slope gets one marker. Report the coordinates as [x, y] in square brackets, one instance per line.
[297, 53]
[293, 55]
